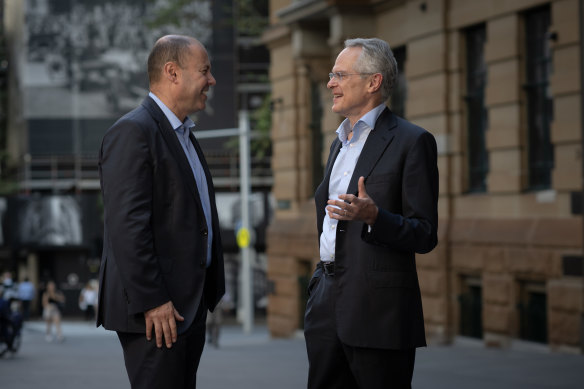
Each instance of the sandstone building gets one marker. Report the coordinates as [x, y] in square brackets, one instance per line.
[498, 84]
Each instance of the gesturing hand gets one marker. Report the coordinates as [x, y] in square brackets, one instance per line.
[351, 207]
[163, 318]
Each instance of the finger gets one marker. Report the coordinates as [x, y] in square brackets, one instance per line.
[335, 203]
[166, 330]
[347, 197]
[361, 187]
[335, 211]
[148, 329]
[177, 316]
[158, 330]
[330, 212]
[173, 332]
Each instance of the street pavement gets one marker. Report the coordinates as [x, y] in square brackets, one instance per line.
[92, 358]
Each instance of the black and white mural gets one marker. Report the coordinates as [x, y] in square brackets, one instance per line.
[87, 58]
[50, 221]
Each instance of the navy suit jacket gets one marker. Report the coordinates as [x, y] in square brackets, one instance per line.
[378, 296]
[155, 231]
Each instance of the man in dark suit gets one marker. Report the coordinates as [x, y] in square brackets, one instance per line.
[162, 263]
[376, 208]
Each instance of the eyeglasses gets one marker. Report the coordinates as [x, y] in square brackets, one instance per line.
[340, 76]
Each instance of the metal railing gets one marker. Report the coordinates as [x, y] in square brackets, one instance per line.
[63, 172]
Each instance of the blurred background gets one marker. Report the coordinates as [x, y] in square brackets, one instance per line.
[499, 84]
[70, 69]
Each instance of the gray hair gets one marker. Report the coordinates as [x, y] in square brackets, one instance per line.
[376, 57]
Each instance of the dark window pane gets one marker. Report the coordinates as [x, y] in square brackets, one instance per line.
[533, 312]
[471, 308]
[478, 158]
[316, 131]
[539, 102]
[398, 94]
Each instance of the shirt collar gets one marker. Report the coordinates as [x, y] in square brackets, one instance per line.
[367, 120]
[175, 122]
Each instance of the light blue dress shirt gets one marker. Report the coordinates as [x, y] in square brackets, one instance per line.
[342, 172]
[183, 131]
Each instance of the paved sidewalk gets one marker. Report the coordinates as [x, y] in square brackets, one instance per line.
[92, 358]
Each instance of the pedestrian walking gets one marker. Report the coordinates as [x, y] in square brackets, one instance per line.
[25, 293]
[53, 302]
[88, 300]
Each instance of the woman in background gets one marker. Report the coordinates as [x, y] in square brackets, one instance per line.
[52, 300]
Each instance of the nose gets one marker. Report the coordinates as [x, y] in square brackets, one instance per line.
[332, 82]
[212, 80]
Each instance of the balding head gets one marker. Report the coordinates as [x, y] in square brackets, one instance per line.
[169, 48]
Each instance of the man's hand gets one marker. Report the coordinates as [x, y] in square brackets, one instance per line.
[163, 318]
[351, 207]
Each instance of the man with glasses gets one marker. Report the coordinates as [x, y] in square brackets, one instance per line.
[376, 208]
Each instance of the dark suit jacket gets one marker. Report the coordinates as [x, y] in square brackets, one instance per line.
[155, 230]
[378, 297]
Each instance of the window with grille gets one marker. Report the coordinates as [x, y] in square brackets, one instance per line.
[538, 64]
[476, 113]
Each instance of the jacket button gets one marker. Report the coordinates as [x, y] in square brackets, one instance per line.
[204, 232]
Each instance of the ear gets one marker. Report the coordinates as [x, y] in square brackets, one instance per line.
[170, 71]
[375, 82]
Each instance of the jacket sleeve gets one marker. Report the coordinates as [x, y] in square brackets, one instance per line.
[126, 168]
[416, 228]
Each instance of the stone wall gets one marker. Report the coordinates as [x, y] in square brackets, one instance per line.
[505, 237]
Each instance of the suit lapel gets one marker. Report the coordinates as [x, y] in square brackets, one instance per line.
[210, 187]
[322, 195]
[335, 152]
[377, 141]
[169, 136]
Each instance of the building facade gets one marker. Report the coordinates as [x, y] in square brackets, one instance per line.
[498, 84]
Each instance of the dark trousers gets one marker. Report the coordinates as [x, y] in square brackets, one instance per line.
[335, 365]
[25, 309]
[160, 368]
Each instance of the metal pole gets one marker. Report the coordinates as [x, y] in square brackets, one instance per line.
[244, 180]
[246, 305]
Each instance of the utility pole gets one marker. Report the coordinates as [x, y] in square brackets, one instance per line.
[244, 236]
